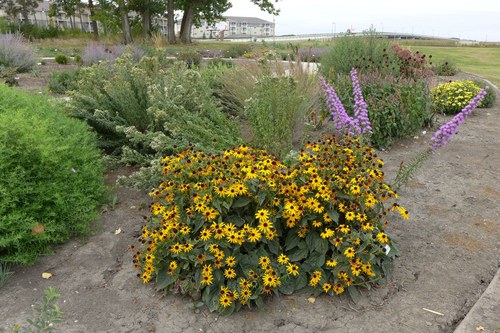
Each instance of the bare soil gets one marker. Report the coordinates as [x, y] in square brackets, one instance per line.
[450, 250]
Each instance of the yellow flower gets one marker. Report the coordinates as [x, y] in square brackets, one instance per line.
[262, 215]
[349, 252]
[349, 216]
[331, 263]
[264, 262]
[292, 269]
[176, 248]
[254, 235]
[283, 259]
[326, 287]
[225, 301]
[344, 228]
[230, 261]
[205, 234]
[207, 280]
[229, 273]
[338, 288]
[382, 237]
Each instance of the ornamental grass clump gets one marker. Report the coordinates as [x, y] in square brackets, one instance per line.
[451, 97]
[238, 226]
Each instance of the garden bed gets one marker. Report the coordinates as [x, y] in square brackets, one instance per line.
[449, 253]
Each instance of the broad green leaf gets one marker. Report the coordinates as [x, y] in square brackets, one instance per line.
[354, 293]
[298, 254]
[241, 202]
[291, 241]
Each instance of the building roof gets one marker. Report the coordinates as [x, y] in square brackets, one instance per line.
[246, 19]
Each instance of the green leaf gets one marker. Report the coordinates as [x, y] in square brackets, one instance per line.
[298, 254]
[163, 280]
[261, 198]
[274, 247]
[301, 281]
[387, 267]
[236, 220]
[291, 241]
[334, 215]
[259, 302]
[354, 293]
[228, 310]
[287, 287]
[316, 260]
[241, 202]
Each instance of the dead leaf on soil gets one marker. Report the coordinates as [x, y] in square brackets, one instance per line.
[38, 229]
[480, 328]
[311, 299]
[46, 275]
[117, 231]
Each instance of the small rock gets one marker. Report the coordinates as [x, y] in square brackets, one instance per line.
[428, 323]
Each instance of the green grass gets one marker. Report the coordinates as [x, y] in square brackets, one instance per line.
[477, 60]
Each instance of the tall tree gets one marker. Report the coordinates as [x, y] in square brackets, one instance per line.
[93, 22]
[170, 22]
[147, 9]
[15, 7]
[210, 11]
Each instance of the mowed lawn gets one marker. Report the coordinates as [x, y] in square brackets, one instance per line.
[483, 61]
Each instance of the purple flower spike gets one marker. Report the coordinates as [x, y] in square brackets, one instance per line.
[341, 119]
[445, 132]
[360, 107]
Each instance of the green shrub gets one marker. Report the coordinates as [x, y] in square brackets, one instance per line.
[191, 58]
[142, 111]
[52, 176]
[233, 228]
[490, 98]
[446, 68]
[61, 59]
[367, 53]
[78, 59]
[396, 108]
[452, 97]
[62, 82]
[237, 50]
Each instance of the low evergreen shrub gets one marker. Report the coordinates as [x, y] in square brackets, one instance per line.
[143, 111]
[61, 59]
[52, 176]
[62, 82]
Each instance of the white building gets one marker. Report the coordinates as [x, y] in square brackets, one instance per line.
[236, 27]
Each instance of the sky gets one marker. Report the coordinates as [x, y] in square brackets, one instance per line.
[465, 19]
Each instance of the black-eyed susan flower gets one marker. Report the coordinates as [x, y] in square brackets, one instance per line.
[283, 259]
[230, 261]
[338, 288]
[349, 252]
[326, 287]
[292, 269]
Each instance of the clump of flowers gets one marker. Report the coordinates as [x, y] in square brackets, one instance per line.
[451, 97]
[445, 132]
[238, 226]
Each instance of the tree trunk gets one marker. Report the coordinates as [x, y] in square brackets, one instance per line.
[93, 23]
[127, 36]
[81, 22]
[25, 14]
[187, 23]
[146, 20]
[170, 22]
